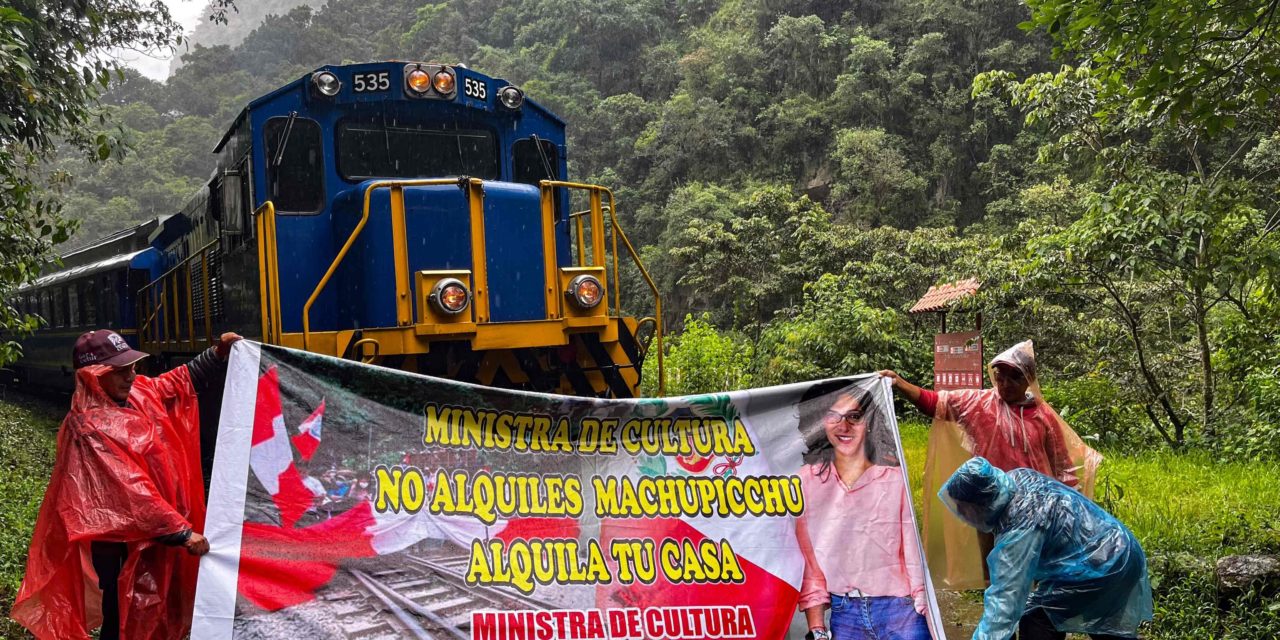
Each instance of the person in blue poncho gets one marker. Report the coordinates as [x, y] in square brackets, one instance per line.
[1060, 563]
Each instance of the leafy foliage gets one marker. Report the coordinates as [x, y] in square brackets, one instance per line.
[797, 172]
[51, 71]
[703, 360]
[1206, 63]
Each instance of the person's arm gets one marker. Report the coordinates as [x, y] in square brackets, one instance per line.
[924, 400]
[114, 497]
[194, 543]
[1012, 564]
[814, 598]
[1064, 469]
[210, 366]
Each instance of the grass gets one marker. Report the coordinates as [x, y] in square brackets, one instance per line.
[27, 441]
[1175, 503]
[1187, 510]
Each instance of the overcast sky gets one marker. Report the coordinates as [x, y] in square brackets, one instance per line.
[156, 67]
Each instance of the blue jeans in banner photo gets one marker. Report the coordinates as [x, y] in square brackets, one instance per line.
[876, 618]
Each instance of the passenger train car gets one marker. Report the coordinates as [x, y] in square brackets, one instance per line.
[406, 214]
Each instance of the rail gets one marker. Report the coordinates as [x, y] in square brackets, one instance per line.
[169, 306]
[596, 213]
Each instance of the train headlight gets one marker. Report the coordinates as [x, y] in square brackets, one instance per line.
[418, 81]
[444, 82]
[451, 296]
[326, 83]
[586, 291]
[511, 97]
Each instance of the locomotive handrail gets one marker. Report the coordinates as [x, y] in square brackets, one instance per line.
[595, 191]
[142, 331]
[268, 272]
[145, 291]
[355, 233]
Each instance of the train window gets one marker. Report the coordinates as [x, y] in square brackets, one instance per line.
[46, 308]
[109, 300]
[377, 149]
[73, 305]
[59, 307]
[88, 304]
[295, 165]
[529, 166]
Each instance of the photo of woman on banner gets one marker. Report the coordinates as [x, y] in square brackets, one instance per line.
[857, 534]
[1010, 425]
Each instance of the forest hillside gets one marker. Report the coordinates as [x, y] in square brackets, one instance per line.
[798, 173]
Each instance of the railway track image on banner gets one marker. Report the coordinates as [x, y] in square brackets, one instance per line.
[425, 598]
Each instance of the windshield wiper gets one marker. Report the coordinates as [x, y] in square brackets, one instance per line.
[283, 141]
[542, 153]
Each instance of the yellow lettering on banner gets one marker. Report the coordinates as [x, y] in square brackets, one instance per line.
[526, 564]
[488, 496]
[442, 498]
[635, 560]
[707, 561]
[705, 437]
[413, 491]
[589, 436]
[607, 499]
[742, 439]
[479, 570]
[401, 489]
[438, 429]
[388, 488]
[466, 427]
[502, 438]
[598, 436]
[686, 496]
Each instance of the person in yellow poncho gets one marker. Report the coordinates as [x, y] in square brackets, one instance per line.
[1010, 425]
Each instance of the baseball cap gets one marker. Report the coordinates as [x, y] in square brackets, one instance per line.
[104, 346]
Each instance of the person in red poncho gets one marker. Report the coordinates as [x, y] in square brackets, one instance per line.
[125, 493]
[1011, 426]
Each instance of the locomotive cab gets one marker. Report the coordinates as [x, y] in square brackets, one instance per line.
[412, 215]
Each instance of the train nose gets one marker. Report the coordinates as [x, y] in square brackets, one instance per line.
[495, 228]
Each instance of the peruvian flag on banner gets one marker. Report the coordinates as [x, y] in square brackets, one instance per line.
[308, 439]
[282, 566]
[271, 456]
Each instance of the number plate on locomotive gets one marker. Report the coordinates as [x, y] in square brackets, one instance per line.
[373, 81]
[473, 88]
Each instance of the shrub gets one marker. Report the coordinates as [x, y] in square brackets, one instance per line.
[701, 360]
[834, 333]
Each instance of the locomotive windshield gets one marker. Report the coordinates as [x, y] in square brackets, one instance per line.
[381, 149]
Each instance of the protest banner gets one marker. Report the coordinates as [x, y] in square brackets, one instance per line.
[357, 501]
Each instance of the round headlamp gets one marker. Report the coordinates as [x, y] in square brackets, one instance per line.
[326, 83]
[444, 82]
[586, 291]
[418, 81]
[451, 296]
[511, 97]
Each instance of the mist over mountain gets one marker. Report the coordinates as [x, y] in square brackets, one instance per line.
[240, 23]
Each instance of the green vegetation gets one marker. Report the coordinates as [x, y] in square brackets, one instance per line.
[1187, 510]
[799, 173]
[27, 442]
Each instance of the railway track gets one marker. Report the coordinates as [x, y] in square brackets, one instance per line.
[420, 598]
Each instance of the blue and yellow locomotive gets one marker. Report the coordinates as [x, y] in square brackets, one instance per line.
[412, 215]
